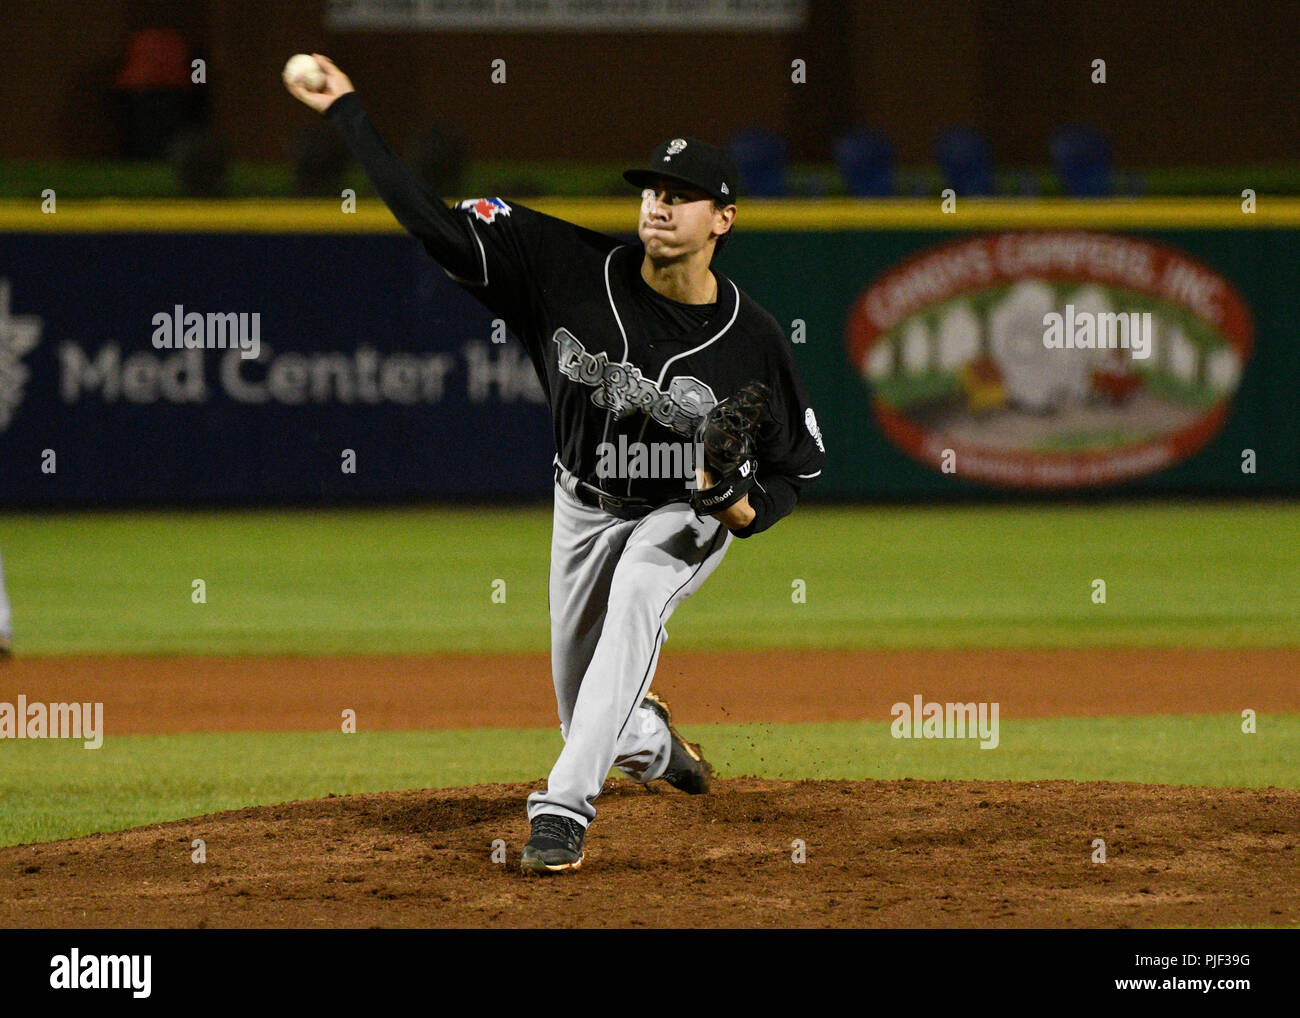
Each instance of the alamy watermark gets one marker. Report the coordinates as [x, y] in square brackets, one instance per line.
[657, 460]
[933, 720]
[25, 720]
[77, 971]
[179, 329]
[1099, 330]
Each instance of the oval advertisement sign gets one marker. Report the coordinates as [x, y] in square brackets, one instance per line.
[1050, 360]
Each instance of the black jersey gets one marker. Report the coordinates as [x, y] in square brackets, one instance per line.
[624, 369]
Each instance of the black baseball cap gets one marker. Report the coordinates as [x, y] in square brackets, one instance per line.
[693, 162]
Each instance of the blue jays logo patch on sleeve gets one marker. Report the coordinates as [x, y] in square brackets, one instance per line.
[486, 209]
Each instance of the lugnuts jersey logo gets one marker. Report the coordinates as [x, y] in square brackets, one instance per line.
[487, 209]
[622, 388]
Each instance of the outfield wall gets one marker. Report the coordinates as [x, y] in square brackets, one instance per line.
[948, 354]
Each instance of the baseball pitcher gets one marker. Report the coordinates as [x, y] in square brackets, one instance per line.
[679, 424]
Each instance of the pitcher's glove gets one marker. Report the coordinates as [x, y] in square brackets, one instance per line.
[728, 438]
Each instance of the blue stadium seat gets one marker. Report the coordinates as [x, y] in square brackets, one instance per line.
[1082, 158]
[865, 159]
[760, 157]
[966, 159]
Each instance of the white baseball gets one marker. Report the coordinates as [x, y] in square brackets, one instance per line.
[304, 70]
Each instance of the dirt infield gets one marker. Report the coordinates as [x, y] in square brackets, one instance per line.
[213, 694]
[878, 854]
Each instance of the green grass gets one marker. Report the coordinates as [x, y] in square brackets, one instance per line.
[420, 580]
[51, 790]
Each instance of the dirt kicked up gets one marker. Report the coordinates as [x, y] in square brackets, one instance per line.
[753, 853]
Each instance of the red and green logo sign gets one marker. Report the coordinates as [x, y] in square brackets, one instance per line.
[1050, 360]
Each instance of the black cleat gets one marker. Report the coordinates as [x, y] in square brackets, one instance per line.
[554, 846]
[687, 768]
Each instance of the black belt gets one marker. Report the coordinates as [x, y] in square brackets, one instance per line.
[624, 507]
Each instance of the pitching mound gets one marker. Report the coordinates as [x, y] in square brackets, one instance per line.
[888, 853]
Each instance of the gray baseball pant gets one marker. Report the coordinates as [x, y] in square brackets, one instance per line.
[613, 585]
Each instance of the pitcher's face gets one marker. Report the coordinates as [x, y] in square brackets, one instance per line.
[678, 220]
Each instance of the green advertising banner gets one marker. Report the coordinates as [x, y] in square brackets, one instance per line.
[971, 348]
[1074, 360]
